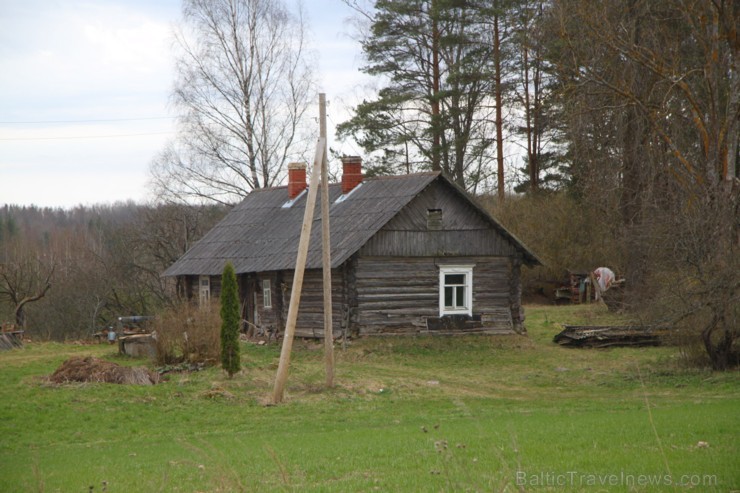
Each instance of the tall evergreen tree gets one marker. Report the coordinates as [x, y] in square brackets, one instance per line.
[533, 87]
[230, 360]
[435, 109]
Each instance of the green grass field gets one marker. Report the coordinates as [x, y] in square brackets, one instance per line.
[407, 414]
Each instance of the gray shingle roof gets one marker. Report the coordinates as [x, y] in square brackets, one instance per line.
[259, 234]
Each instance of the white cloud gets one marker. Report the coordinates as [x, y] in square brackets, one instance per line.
[72, 60]
[84, 52]
[81, 61]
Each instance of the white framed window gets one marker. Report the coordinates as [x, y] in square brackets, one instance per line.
[456, 290]
[267, 293]
[204, 289]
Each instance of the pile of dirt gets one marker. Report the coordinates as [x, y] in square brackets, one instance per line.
[90, 369]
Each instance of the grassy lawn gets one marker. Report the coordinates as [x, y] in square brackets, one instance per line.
[408, 414]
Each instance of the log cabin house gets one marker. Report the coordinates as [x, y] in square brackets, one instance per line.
[410, 254]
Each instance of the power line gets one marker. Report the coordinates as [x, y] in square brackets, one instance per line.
[85, 136]
[37, 122]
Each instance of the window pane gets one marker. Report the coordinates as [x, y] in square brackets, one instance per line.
[267, 293]
[455, 279]
[448, 296]
[455, 284]
[460, 297]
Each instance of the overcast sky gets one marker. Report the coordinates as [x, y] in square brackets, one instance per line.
[85, 86]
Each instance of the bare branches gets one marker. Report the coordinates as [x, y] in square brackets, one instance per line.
[664, 76]
[686, 53]
[243, 87]
[25, 277]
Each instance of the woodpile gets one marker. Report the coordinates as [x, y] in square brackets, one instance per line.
[94, 370]
[610, 336]
[11, 339]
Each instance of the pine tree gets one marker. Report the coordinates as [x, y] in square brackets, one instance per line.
[230, 360]
[434, 58]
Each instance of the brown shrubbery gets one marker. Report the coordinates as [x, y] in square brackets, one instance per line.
[563, 232]
[188, 333]
[90, 369]
[680, 260]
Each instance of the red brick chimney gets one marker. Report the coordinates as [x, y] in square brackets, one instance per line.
[296, 179]
[351, 173]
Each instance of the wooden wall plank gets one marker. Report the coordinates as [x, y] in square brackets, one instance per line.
[484, 242]
[398, 294]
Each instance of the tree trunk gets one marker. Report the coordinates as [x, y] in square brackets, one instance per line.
[20, 314]
[528, 120]
[634, 162]
[534, 158]
[20, 318]
[436, 123]
[719, 353]
[498, 95]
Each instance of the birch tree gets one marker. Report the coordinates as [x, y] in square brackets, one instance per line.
[242, 90]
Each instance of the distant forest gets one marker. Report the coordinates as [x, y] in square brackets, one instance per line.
[65, 273]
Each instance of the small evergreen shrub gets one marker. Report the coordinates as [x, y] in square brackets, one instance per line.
[230, 360]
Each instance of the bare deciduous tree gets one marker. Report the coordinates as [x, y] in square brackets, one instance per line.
[243, 87]
[25, 277]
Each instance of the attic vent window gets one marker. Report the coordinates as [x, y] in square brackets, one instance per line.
[434, 219]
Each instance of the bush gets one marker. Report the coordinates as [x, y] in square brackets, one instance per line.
[188, 333]
[563, 231]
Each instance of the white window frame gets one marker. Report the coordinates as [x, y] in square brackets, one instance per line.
[266, 293]
[204, 290]
[467, 271]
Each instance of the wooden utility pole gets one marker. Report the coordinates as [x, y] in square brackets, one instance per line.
[300, 267]
[326, 250]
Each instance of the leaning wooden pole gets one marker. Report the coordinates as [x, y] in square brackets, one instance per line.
[300, 267]
[326, 251]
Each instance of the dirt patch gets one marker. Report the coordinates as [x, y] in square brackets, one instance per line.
[90, 369]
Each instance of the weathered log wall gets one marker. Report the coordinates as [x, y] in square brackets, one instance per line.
[310, 321]
[515, 295]
[401, 295]
[191, 287]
